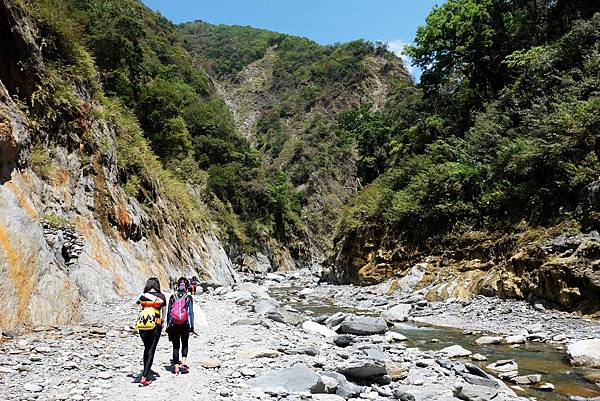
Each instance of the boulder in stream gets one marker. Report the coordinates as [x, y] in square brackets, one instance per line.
[489, 340]
[502, 366]
[455, 351]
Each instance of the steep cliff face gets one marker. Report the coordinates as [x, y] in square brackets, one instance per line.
[68, 230]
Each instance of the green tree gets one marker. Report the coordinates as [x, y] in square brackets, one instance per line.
[159, 110]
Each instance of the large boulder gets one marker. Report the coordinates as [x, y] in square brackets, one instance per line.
[362, 368]
[398, 313]
[363, 325]
[297, 378]
[240, 297]
[585, 353]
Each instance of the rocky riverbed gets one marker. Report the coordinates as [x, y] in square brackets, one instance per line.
[253, 347]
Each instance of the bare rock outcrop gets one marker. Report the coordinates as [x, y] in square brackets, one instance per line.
[73, 233]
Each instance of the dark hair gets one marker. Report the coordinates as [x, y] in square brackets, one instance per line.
[185, 280]
[152, 285]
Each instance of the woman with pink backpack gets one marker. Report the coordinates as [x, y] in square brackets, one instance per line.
[180, 323]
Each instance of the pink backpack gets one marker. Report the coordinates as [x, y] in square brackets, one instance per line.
[179, 314]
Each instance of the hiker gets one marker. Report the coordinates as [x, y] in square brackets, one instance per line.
[180, 323]
[150, 323]
[194, 282]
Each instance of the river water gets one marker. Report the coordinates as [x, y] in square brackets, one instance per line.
[531, 357]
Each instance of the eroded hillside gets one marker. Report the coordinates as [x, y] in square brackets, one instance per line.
[287, 94]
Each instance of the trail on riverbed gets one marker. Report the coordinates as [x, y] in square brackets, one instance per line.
[249, 347]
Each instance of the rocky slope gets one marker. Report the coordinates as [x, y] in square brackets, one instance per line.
[68, 231]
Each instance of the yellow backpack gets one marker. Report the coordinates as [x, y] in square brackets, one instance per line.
[146, 319]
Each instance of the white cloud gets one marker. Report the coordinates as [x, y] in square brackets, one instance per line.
[397, 47]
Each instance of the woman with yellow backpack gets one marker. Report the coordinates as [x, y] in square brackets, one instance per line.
[150, 323]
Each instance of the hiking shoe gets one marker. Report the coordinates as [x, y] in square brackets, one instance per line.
[145, 382]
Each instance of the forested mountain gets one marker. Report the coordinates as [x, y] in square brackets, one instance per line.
[287, 95]
[495, 149]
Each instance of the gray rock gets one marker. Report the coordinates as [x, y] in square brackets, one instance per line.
[363, 325]
[480, 381]
[327, 397]
[397, 313]
[32, 388]
[240, 297]
[534, 328]
[528, 379]
[468, 392]
[546, 387]
[403, 395]
[311, 351]
[251, 353]
[316, 328]
[455, 351]
[362, 368]
[507, 365]
[516, 339]
[207, 362]
[264, 306]
[489, 340]
[375, 354]
[343, 340]
[345, 388]
[585, 353]
[296, 378]
[335, 319]
[392, 336]
[331, 384]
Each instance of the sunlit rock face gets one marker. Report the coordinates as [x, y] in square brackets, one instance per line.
[74, 234]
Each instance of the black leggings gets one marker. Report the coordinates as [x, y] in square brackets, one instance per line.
[150, 339]
[177, 334]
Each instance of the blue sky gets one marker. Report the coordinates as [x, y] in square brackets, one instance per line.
[324, 21]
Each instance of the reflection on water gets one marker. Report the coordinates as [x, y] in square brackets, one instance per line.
[531, 357]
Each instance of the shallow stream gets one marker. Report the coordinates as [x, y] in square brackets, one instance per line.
[531, 357]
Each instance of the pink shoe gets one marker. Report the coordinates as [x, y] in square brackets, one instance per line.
[145, 382]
